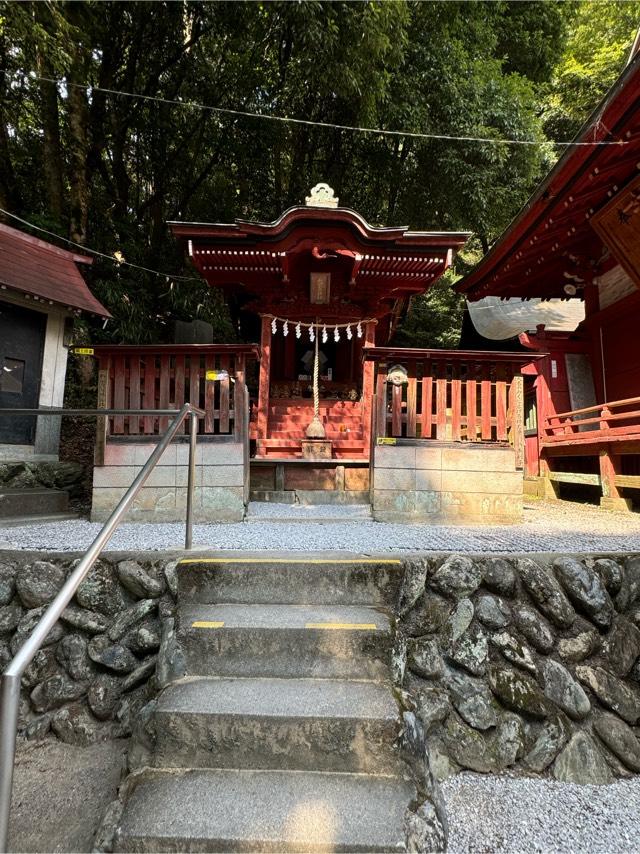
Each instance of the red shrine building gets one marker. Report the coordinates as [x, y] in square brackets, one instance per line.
[321, 272]
[579, 238]
[321, 407]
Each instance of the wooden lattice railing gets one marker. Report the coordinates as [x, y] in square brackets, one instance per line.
[210, 376]
[614, 420]
[450, 395]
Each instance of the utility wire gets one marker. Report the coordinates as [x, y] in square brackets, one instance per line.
[194, 105]
[113, 258]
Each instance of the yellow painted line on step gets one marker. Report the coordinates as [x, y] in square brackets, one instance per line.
[348, 626]
[207, 624]
[289, 560]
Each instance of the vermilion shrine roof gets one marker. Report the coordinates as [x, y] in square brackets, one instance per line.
[555, 242]
[373, 270]
[45, 272]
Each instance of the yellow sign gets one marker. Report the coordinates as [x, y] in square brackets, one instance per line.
[83, 351]
[382, 440]
[216, 375]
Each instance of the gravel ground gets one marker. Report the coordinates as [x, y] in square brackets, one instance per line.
[60, 793]
[507, 814]
[547, 527]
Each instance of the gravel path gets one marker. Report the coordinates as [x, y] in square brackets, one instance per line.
[506, 814]
[60, 793]
[547, 527]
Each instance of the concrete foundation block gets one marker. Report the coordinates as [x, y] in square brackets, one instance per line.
[487, 458]
[222, 475]
[394, 457]
[429, 457]
[429, 480]
[398, 478]
[499, 482]
[220, 504]
[114, 476]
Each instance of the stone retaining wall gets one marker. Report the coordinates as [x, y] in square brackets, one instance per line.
[221, 488]
[108, 655]
[417, 481]
[525, 664]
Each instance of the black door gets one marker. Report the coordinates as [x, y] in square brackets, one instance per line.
[21, 344]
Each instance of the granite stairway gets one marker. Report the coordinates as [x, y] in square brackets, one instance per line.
[283, 733]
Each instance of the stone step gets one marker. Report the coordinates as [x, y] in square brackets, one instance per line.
[265, 811]
[38, 501]
[298, 579]
[293, 724]
[339, 642]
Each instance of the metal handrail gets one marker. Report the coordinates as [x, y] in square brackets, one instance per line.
[10, 686]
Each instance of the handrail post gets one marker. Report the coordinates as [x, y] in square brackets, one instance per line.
[193, 433]
[9, 709]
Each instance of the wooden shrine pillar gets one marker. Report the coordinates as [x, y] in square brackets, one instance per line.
[262, 419]
[609, 468]
[368, 371]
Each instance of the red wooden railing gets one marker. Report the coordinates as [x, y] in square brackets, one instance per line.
[210, 376]
[615, 420]
[450, 395]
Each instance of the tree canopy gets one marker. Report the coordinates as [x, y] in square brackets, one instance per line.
[90, 159]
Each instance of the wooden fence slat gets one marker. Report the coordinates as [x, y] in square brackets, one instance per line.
[485, 409]
[456, 409]
[118, 393]
[396, 410]
[381, 404]
[165, 383]
[472, 428]
[501, 411]
[209, 394]
[426, 411]
[224, 397]
[178, 388]
[134, 393]
[149, 392]
[441, 408]
[411, 407]
[194, 383]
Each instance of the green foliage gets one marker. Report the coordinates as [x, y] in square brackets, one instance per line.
[110, 170]
[435, 318]
[600, 39]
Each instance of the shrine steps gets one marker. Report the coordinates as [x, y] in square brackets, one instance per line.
[292, 448]
[282, 735]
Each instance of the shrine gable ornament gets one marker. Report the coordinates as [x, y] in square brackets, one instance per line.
[322, 196]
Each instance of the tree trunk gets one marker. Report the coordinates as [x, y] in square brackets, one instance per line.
[52, 149]
[78, 110]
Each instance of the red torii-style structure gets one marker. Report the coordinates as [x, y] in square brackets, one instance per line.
[579, 235]
[318, 265]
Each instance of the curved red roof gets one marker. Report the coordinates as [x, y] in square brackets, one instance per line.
[44, 271]
[551, 240]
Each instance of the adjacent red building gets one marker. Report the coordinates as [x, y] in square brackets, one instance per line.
[579, 237]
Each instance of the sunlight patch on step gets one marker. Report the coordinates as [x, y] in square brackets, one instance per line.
[313, 821]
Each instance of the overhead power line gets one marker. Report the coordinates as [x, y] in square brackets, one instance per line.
[195, 105]
[116, 258]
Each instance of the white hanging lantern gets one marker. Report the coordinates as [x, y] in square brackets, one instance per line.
[325, 336]
[359, 330]
[298, 330]
[349, 333]
[285, 328]
[336, 334]
[274, 326]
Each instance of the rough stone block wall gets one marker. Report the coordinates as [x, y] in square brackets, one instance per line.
[531, 665]
[50, 475]
[108, 655]
[446, 482]
[219, 494]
